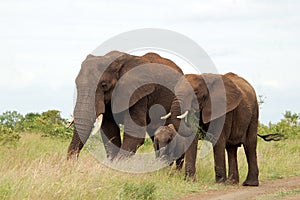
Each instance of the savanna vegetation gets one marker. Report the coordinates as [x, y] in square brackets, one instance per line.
[33, 163]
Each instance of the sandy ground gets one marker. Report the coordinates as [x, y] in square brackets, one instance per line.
[266, 190]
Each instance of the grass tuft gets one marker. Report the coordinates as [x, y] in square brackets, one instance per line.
[145, 191]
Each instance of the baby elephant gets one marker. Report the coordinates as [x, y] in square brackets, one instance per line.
[170, 146]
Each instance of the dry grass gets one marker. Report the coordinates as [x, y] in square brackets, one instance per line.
[37, 169]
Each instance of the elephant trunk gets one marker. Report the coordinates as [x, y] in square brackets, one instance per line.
[75, 146]
[84, 118]
[163, 152]
[178, 108]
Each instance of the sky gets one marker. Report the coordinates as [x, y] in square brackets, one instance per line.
[42, 45]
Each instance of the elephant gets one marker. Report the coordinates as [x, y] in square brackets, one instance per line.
[102, 84]
[162, 138]
[227, 112]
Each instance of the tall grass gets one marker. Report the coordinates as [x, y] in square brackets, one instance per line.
[36, 168]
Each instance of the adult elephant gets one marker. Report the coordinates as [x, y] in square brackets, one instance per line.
[227, 113]
[102, 78]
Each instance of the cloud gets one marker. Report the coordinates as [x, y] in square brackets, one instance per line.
[43, 44]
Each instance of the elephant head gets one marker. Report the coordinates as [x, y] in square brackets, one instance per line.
[168, 144]
[94, 84]
[212, 96]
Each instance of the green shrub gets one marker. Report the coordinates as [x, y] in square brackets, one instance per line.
[289, 126]
[48, 124]
[12, 119]
[10, 126]
[8, 136]
[30, 122]
[51, 124]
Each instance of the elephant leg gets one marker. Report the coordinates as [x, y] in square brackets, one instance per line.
[74, 147]
[110, 133]
[219, 159]
[250, 150]
[252, 177]
[134, 128]
[179, 163]
[190, 158]
[130, 145]
[233, 175]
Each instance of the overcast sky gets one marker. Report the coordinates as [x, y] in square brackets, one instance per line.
[43, 44]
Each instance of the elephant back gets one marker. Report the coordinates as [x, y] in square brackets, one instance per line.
[155, 58]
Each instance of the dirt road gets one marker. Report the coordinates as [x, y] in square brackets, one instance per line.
[286, 188]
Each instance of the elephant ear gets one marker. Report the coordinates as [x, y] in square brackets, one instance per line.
[138, 78]
[133, 84]
[224, 96]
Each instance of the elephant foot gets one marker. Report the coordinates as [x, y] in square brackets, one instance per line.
[73, 155]
[231, 182]
[251, 183]
[220, 180]
[122, 155]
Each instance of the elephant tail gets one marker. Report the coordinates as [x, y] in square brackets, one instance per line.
[271, 137]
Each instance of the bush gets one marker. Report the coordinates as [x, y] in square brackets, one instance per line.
[8, 136]
[288, 126]
[29, 122]
[49, 124]
[12, 119]
[10, 126]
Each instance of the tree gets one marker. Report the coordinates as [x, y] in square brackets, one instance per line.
[261, 100]
[11, 119]
[10, 125]
[292, 118]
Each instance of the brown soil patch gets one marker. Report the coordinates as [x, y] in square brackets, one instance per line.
[265, 190]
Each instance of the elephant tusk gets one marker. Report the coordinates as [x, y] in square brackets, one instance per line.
[97, 124]
[166, 116]
[183, 115]
[70, 122]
